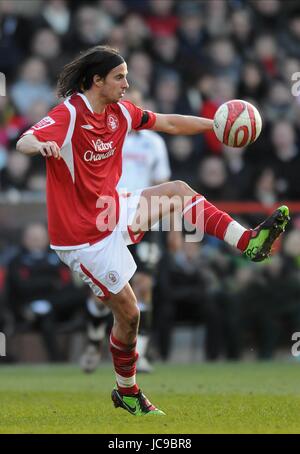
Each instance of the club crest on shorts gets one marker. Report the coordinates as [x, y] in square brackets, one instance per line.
[112, 122]
[112, 277]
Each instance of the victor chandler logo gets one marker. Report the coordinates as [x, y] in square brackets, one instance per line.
[103, 150]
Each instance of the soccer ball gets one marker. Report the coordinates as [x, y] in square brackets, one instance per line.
[237, 123]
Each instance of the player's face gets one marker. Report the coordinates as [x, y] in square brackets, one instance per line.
[115, 84]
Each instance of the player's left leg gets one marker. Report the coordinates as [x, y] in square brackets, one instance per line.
[158, 201]
[127, 394]
[106, 267]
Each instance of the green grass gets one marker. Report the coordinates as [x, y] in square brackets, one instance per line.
[202, 398]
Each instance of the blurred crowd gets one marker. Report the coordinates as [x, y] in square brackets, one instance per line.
[185, 57]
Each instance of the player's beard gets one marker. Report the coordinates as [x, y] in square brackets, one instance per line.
[118, 97]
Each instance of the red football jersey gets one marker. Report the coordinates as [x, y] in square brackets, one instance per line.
[90, 168]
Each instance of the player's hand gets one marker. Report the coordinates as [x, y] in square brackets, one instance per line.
[48, 149]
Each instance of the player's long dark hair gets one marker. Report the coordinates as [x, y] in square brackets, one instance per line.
[77, 75]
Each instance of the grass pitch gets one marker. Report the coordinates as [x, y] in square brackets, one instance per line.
[202, 398]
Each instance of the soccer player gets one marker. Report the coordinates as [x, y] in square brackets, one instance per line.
[90, 225]
[144, 154]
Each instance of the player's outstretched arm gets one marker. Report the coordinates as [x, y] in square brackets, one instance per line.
[182, 124]
[31, 146]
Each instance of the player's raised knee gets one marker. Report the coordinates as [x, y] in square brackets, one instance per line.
[180, 188]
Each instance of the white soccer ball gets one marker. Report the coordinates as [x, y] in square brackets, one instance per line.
[237, 123]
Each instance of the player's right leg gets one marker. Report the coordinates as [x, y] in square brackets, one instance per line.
[176, 196]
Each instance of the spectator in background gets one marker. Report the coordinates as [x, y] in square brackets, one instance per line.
[169, 95]
[141, 71]
[165, 53]
[55, 14]
[213, 180]
[289, 37]
[225, 89]
[117, 39]
[285, 160]
[224, 60]
[91, 26]
[46, 45]
[268, 14]
[161, 18]
[206, 86]
[136, 32]
[15, 32]
[240, 170]
[267, 54]
[184, 157]
[215, 13]
[32, 85]
[15, 174]
[264, 188]
[116, 9]
[252, 85]
[167, 91]
[279, 102]
[242, 31]
[192, 39]
[40, 289]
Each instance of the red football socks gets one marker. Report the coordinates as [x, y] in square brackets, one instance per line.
[209, 219]
[201, 213]
[124, 359]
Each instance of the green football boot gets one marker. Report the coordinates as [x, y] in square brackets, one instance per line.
[264, 235]
[135, 404]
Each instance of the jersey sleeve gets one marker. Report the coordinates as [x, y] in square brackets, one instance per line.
[140, 119]
[53, 127]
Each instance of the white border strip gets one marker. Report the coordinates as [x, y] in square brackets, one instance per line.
[67, 149]
[86, 101]
[68, 248]
[191, 206]
[127, 115]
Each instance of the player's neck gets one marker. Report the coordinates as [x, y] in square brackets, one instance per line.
[97, 105]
